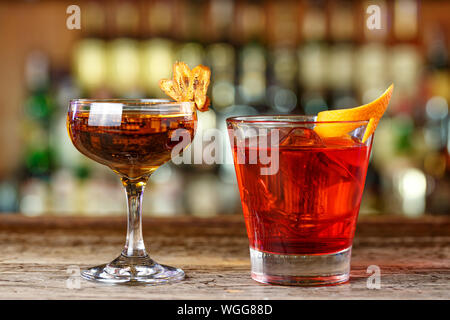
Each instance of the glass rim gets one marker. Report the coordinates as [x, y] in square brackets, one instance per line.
[161, 106]
[125, 101]
[288, 119]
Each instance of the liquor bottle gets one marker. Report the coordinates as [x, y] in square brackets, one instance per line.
[126, 19]
[122, 54]
[220, 54]
[89, 57]
[191, 49]
[282, 63]
[221, 58]
[8, 196]
[405, 57]
[69, 163]
[342, 21]
[252, 80]
[38, 154]
[312, 58]
[39, 107]
[250, 26]
[282, 92]
[192, 53]
[190, 19]
[341, 54]
[160, 19]
[157, 49]
[437, 121]
[219, 17]
[406, 20]
[123, 68]
[371, 74]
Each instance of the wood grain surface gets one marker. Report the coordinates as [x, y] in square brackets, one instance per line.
[37, 255]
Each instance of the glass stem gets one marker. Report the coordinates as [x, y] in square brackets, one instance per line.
[134, 246]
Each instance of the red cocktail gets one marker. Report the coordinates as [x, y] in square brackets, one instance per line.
[301, 215]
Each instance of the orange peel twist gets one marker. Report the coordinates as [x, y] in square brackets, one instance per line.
[371, 112]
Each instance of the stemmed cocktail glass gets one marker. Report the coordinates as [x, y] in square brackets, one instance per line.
[133, 137]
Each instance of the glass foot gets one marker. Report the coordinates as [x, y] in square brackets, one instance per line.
[133, 270]
[301, 270]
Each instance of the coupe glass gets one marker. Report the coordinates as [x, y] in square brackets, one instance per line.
[133, 137]
[300, 195]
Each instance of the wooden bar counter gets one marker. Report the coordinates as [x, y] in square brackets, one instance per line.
[38, 254]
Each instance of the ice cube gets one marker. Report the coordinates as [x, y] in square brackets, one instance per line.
[300, 137]
[342, 141]
[334, 165]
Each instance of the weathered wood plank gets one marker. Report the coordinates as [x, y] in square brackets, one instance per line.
[414, 257]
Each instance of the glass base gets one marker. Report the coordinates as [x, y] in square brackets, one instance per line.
[301, 270]
[133, 270]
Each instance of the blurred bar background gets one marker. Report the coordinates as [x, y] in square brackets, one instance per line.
[267, 57]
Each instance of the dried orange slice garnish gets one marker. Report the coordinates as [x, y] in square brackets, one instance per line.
[182, 77]
[200, 77]
[168, 86]
[188, 85]
[372, 112]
